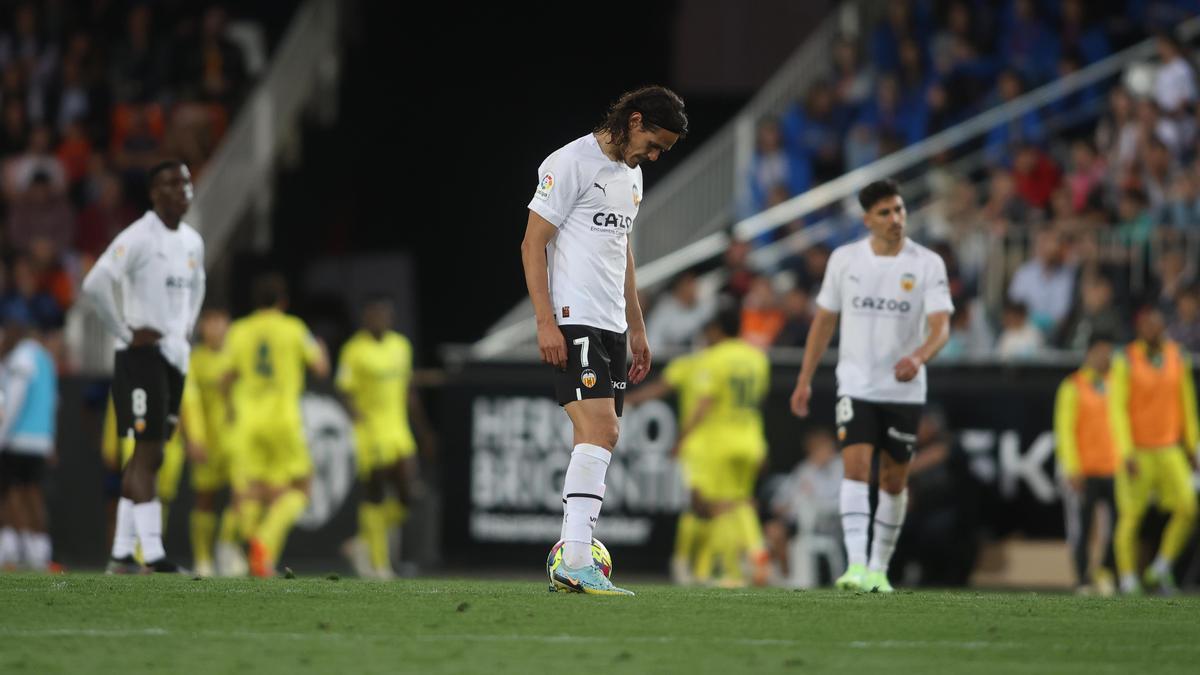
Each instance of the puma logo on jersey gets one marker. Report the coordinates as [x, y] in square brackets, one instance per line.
[853, 278]
[602, 188]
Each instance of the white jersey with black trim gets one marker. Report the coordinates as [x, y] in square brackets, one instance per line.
[160, 274]
[593, 202]
[883, 302]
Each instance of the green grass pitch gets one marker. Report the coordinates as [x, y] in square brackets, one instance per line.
[83, 623]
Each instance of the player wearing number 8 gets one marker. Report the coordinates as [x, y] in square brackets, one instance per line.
[157, 266]
[267, 354]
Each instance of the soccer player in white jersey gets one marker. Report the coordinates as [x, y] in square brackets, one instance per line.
[580, 272]
[894, 300]
[157, 266]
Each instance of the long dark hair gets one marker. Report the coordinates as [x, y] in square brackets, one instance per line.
[660, 107]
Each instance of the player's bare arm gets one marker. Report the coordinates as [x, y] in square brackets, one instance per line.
[320, 367]
[648, 392]
[638, 344]
[819, 335]
[939, 334]
[538, 233]
[427, 438]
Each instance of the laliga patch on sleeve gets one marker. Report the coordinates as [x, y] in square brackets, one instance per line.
[544, 188]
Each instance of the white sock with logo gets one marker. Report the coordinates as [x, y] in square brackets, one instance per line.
[147, 522]
[856, 516]
[124, 537]
[889, 517]
[583, 494]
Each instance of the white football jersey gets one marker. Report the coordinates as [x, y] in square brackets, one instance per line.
[593, 202]
[161, 277]
[883, 302]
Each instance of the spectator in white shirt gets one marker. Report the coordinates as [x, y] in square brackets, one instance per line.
[1174, 83]
[1020, 339]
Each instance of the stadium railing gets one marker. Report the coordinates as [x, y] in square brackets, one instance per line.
[237, 179]
[517, 326]
[305, 66]
[698, 198]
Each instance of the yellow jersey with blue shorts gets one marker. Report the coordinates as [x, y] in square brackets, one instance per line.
[734, 375]
[375, 374]
[269, 351]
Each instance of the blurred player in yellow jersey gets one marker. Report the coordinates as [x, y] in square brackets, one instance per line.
[691, 535]
[730, 381]
[1152, 410]
[206, 370]
[374, 374]
[266, 356]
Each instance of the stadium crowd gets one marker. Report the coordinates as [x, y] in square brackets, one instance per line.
[91, 96]
[1054, 241]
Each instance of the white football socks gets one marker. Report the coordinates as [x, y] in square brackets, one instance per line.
[10, 547]
[124, 538]
[889, 517]
[147, 522]
[856, 516]
[37, 550]
[583, 494]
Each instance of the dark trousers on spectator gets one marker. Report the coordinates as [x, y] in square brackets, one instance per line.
[1080, 510]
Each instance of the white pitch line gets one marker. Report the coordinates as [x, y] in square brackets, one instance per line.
[549, 639]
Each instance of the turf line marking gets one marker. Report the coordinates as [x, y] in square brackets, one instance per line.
[544, 639]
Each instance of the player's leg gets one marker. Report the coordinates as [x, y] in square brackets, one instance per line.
[357, 549]
[33, 504]
[170, 474]
[1178, 496]
[203, 530]
[858, 434]
[124, 540]
[595, 435]
[37, 538]
[753, 543]
[405, 475]
[1076, 531]
[228, 556]
[591, 390]
[1102, 491]
[14, 515]
[888, 521]
[208, 478]
[1133, 498]
[703, 476]
[155, 408]
[1085, 512]
[10, 541]
[900, 422]
[293, 478]
[372, 523]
